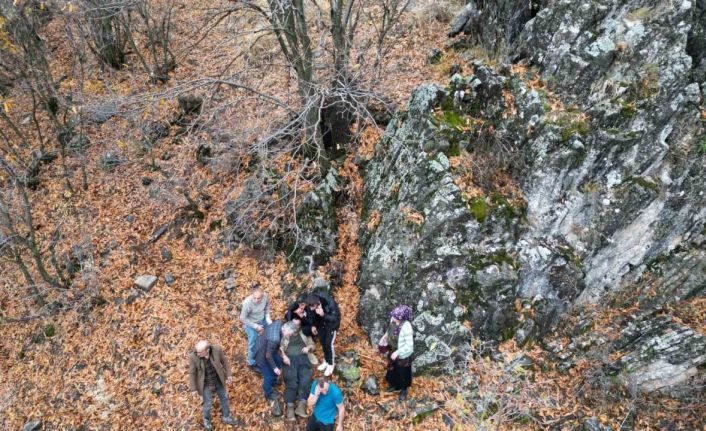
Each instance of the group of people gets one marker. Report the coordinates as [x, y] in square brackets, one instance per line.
[285, 347]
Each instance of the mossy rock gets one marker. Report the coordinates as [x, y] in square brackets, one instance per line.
[479, 208]
[349, 374]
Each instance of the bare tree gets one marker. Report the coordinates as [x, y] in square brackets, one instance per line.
[17, 213]
[295, 151]
[115, 29]
[27, 57]
[326, 90]
[155, 27]
[105, 31]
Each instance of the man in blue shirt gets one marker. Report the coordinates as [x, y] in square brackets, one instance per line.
[326, 400]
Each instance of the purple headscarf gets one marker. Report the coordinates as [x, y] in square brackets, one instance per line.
[403, 313]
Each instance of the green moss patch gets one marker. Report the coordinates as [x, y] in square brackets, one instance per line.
[479, 208]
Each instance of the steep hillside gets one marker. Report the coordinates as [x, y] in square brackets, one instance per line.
[517, 193]
[528, 176]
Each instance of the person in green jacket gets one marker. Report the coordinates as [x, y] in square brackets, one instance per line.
[400, 340]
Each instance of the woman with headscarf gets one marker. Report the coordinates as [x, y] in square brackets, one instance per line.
[400, 341]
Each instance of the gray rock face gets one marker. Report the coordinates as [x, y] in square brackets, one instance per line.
[612, 178]
[626, 203]
[317, 221]
[392, 270]
[311, 245]
[660, 354]
[495, 23]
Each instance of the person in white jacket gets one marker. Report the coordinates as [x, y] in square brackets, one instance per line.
[400, 341]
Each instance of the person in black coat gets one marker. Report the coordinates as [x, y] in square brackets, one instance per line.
[298, 310]
[326, 320]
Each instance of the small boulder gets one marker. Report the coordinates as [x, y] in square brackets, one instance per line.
[465, 20]
[133, 296]
[449, 421]
[348, 368]
[370, 386]
[321, 284]
[350, 375]
[101, 113]
[424, 411]
[32, 426]
[109, 161]
[434, 56]
[146, 282]
[592, 424]
[229, 284]
[166, 254]
[159, 232]
[169, 279]
[190, 104]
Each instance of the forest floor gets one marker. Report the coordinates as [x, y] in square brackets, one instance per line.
[122, 365]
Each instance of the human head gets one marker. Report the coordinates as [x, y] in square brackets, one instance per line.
[301, 304]
[323, 384]
[290, 328]
[257, 292]
[313, 301]
[400, 314]
[202, 348]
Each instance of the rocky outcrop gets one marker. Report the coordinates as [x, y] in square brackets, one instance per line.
[660, 354]
[425, 246]
[315, 242]
[309, 236]
[634, 197]
[612, 178]
[493, 23]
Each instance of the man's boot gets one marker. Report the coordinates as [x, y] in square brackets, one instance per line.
[276, 408]
[290, 411]
[230, 421]
[207, 425]
[301, 409]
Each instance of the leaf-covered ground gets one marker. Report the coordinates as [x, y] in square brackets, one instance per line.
[115, 365]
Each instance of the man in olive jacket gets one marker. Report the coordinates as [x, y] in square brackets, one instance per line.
[209, 371]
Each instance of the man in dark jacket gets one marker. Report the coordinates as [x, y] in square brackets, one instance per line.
[298, 310]
[269, 361]
[209, 371]
[327, 319]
